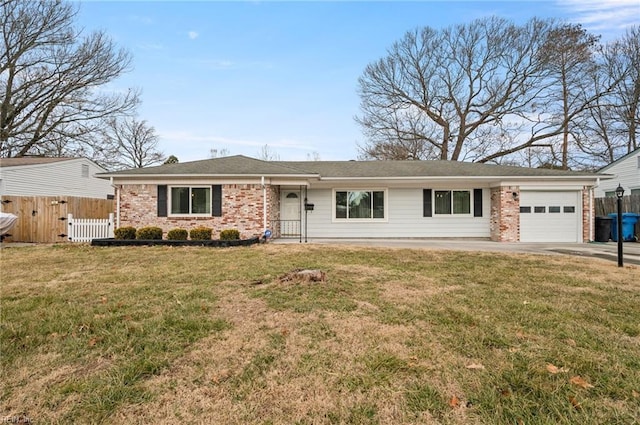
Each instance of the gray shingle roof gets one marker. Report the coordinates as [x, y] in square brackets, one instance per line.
[240, 165]
[30, 160]
[371, 169]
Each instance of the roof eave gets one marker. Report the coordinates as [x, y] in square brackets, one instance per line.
[498, 177]
[194, 176]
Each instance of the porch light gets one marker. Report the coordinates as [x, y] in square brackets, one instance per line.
[619, 191]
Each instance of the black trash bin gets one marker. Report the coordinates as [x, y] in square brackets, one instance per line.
[603, 229]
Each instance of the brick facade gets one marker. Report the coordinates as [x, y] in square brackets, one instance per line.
[505, 214]
[242, 209]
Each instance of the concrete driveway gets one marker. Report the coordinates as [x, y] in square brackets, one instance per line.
[606, 251]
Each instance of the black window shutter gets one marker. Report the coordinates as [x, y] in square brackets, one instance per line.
[477, 202]
[162, 200]
[216, 200]
[426, 202]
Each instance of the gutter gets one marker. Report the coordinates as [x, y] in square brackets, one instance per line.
[189, 175]
[508, 177]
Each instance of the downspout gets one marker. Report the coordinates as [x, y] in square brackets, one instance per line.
[264, 205]
[306, 215]
[591, 217]
[590, 239]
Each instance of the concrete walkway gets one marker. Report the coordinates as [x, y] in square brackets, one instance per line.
[607, 251]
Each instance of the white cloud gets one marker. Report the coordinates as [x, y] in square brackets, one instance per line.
[607, 17]
[216, 64]
[150, 46]
[193, 35]
[222, 64]
[145, 20]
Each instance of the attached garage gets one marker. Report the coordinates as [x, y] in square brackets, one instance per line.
[550, 216]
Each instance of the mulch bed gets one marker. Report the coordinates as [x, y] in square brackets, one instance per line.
[164, 242]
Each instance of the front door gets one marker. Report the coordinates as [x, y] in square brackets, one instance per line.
[290, 213]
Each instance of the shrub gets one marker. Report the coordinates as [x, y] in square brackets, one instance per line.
[229, 235]
[200, 233]
[150, 232]
[177, 235]
[126, 232]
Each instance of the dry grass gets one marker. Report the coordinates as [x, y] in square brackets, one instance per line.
[165, 335]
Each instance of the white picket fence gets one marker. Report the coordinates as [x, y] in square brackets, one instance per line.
[86, 229]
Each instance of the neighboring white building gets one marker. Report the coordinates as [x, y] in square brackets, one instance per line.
[626, 172]
[33, 176]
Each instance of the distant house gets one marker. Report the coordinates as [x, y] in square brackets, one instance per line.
[625, 172]
[42, 192]
[33, 176]
[360, 199]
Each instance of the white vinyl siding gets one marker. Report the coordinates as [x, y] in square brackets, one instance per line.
[547, 216]
[626, 173]
[64, 178]
[403, 218]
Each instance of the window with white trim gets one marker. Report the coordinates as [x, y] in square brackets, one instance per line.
[359, 204]
[449, 202]
[187, 200]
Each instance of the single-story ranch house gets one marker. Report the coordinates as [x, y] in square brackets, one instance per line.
[360, 199]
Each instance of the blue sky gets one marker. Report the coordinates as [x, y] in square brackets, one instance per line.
[241, 75]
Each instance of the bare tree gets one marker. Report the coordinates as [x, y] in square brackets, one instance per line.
[627, 51]
[448, 94]
[215, 153]
[313, 156]
[52, 78]
[266, 153]
[610, 127]
[568, 54]
[129, 143]
[482, 92]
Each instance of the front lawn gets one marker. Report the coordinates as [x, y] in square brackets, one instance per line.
[394, 336]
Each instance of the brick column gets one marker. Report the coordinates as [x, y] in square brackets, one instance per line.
[588, 215]
[505, 214]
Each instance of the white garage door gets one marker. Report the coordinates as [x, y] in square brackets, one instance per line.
[550, 216]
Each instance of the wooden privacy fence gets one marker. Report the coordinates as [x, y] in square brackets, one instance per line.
[608, 205]
[86, 229]
[43, 219]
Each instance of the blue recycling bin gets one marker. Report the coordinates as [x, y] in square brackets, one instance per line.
[629, 221]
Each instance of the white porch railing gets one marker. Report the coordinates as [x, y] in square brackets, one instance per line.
[86, 229]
